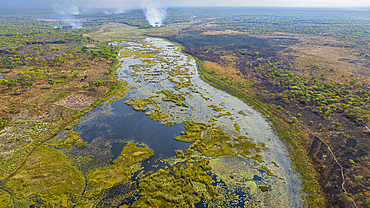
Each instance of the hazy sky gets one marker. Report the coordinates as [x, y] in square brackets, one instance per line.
[129, 4]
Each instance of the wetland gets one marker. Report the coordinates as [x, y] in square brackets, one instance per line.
[167, 139]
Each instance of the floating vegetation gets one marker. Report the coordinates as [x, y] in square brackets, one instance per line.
[47, 174]
[174, 187]
[215, 107]
[178, 71]
[106, 177]
[268, 171]
[193, 131]
[72, 137]
[158, 115]
[275, 164]
[4, 198]
[237, 128]
[86, 159]
[215, 142]
[225, 114]
[178, 85]
[257, 157]
[265, 188]
[169, 124]
[120, 93]
[137, 104]
[175, 98]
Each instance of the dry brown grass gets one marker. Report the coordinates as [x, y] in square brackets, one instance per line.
[224, 71]
[38, 108]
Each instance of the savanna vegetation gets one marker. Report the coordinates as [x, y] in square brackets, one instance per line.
[306, 70]
[312, 74]
[50, 74]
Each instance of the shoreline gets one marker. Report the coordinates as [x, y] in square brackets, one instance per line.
[301, 162]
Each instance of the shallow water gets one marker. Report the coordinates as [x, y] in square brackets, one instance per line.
[151, 65]
[285, 192]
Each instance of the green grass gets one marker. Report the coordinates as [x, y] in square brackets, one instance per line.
[46, 173]
[106, 177]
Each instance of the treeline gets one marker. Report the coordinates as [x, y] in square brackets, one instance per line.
[277, 80]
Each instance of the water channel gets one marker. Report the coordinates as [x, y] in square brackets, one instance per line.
[249, 163]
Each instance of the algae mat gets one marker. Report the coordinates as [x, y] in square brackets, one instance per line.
[170, 140]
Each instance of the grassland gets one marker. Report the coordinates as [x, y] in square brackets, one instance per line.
[105, 178]
[47, 174]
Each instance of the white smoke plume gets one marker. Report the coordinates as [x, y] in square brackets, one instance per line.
[154, 13]
[67, 12]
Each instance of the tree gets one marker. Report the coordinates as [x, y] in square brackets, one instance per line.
[85, 86]
[98, 83]
[51, 82]
[12, 83]
[27, 84]
[3, 82]
[64, 76]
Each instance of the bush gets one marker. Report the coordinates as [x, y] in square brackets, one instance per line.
[337, 124]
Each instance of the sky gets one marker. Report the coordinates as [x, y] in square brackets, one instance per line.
[131, 4]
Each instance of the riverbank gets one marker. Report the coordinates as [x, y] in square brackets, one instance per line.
[15, 163]
[295, 138]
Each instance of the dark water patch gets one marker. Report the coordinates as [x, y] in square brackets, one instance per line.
[116, 149]
[123, 124]
[257, 178]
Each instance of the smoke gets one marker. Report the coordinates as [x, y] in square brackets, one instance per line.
[67, 13]
[154, 13]
[67, 9]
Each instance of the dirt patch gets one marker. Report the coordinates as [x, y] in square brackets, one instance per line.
[99, 31]
[227, 71]
[77, 101]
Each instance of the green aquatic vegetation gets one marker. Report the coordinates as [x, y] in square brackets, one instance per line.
[168, 124]
[86, 159]
[265, 188]
[268, 171]
[86, 205]
[175, 98]
[245, 144]
[212, 120]
[215, 107]
[178, 71]
[276, 165]
[180, 153]
[193, 131]
[158, 115]
[106, 177]
[225, 114]
[175, 187]
[72, 137]
[237, 128]
[257, 157]
[137, 104]
[204, 97]
[214, 142]
[178, 85]
[4, 198]
[47, 173]
[120, 93]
